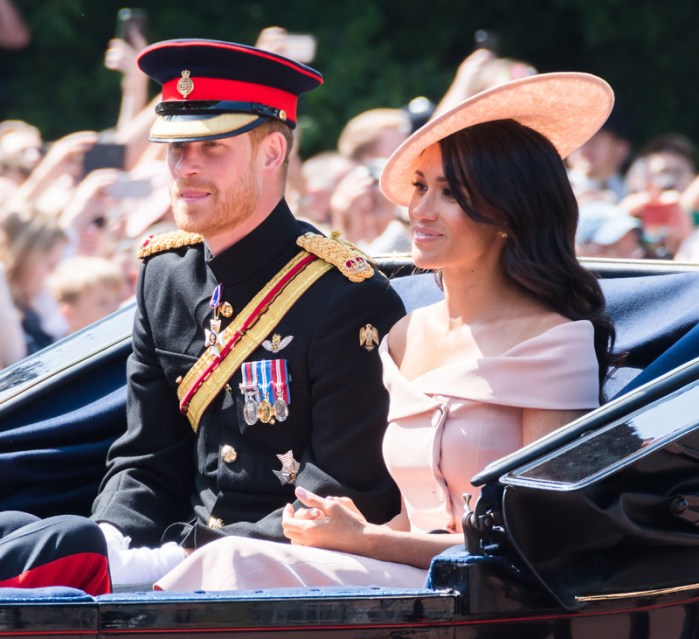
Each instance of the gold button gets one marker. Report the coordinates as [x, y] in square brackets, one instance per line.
[215, 522]
[229, 454]
[226, 309]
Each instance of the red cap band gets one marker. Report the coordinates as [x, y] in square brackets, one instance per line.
[218, 89]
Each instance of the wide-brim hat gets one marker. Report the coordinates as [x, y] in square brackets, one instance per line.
[214, 89]
[568, 108]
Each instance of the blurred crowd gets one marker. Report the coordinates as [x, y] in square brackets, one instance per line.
[75, 209]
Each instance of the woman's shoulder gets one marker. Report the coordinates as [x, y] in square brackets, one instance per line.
[398, 336]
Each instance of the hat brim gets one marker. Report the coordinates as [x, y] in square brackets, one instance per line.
[192, 128]
[567, 108]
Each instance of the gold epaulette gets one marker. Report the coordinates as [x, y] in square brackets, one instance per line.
[344, 255]
[166, 241]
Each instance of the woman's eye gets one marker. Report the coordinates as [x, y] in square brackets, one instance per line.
[419, 186]
[448, 194]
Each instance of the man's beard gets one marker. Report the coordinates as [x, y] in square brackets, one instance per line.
[231, 208]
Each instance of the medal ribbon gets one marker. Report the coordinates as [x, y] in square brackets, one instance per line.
[249, 379]
[212, 371]
[264, 367]
[280, 380]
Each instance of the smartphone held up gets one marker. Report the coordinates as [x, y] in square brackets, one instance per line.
[131, 22]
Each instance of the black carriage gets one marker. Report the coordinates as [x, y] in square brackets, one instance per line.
[590, 532]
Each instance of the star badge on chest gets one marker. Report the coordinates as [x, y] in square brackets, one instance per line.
[290, 468]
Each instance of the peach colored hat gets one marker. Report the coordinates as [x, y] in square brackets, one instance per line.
[568, 108]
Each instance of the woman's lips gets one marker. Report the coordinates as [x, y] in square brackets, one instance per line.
[425, 235]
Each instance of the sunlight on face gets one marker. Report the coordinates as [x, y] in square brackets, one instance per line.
[443, 235]
[214, 186]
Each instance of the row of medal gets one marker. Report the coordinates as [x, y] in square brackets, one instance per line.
[265, 388]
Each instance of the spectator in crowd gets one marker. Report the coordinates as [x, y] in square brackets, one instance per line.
[121, 56]
[688, 250]
[419, 110]
[12, 344]
[88, 219]
[667, 162]
[31, 246]
[50, 185]
[657, 177]
[597, 168]
[606, 230]
[87, 289]
[480, 70]
[359, 211]
[21, 149]
[321, 174]
[364, 216]
[374, 134]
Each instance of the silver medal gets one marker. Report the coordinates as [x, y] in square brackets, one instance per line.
[281, 409]
[250, 410]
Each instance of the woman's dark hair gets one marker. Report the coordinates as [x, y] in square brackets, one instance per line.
[509, 176]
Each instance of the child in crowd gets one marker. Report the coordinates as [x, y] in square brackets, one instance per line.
[87, 289]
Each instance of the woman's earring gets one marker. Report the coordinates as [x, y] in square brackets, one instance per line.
[502, 234]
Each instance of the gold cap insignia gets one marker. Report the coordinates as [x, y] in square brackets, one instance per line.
[369, 337]
[350, 261]
[215, 522]
[185, 85]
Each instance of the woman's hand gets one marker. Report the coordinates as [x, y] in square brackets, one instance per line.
[334, 523]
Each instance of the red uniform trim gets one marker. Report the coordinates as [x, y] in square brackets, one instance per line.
[252, 318]
[222, 89]
[87, 571]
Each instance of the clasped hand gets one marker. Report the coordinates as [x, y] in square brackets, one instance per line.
[334, 523]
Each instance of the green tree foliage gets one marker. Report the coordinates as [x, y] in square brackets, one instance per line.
[380, 53]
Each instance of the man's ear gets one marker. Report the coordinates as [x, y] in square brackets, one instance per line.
[273, 150]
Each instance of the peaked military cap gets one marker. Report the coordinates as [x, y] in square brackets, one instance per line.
[214, 89]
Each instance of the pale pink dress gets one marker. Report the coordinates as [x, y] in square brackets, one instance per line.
[444, 427]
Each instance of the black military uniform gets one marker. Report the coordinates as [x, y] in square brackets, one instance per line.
[233, 477]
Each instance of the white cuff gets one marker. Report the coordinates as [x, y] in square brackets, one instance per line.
[138, 565]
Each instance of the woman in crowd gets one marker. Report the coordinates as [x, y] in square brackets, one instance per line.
[519, 346]
[31, 246]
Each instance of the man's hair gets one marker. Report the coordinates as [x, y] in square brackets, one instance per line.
[270, 126]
